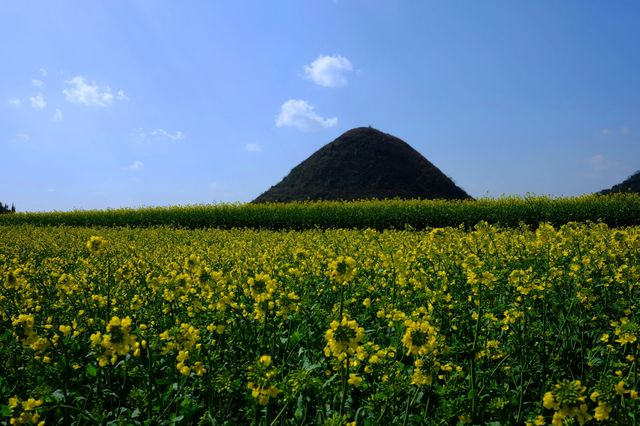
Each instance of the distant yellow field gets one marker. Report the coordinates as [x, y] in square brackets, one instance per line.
[615, 210]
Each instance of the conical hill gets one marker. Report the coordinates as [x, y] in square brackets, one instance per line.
[364, 163]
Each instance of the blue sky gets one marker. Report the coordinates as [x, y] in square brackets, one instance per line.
[107, 104]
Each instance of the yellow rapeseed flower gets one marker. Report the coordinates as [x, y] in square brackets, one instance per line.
[619, 388]
[342, 269]
[95, 244]
[354, 380]
[420, 337]
[601, 412]
[343, 338]
[265, 360]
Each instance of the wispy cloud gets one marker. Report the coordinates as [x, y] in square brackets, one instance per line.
[176, 136]
[57, 116]
[599, 162]
[622, 131]
[23, 137]
[301, 115]
[253, 147]
[142, 135]
[221, 191]
[121, 96]
[88, 93]
[37, 83]
[329, 71]
[598, 166]
[42, 72]
[136, 165]
[15, 102]
[38, 101]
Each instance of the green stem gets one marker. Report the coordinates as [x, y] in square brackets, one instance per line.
[409, 404]
[166, 408]
[343, 397]
[149, 385]
[474, 348]
[266, 414]
[279, 414]
[522, 367]
[341, 301]
[78, 410]
[264, 325]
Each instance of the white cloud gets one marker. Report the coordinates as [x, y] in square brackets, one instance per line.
[23, 136]
[599, 165]
[253, 147]
[57, 116]
[37, 83]
[329, 71]
[136, 165]
[42, 72]
[177, 136]
[622, 131]
[597, 161]
[301, 115]
[145, 136]
[221, 191]
[15, 102]
[88, 93]
[38, 101]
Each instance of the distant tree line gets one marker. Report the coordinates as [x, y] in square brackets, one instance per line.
[4, 208]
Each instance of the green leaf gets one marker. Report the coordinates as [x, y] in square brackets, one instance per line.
[5, 411]
[57, 395]
[177, 419]
[299, 412]
[91, 370]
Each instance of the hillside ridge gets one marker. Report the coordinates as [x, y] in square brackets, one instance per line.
[631, 184]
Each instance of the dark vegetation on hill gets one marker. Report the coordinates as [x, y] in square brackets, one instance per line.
[4, 208]
[632, 184]
[364, 163]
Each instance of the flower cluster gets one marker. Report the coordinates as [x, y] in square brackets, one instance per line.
[567, 400]
[343, 338]
[186, 341]
[261, 380]
[261, 288]
[420, 337]
[25, 412]
[95, 244]
[117, 341]
[342, 269]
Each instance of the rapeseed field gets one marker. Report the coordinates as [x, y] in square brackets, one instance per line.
[439, 326]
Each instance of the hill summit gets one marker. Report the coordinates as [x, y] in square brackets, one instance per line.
[631, 184]
[364, 163]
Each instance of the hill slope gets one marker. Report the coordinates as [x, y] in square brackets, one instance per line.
[364, 163]
[631, 184]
